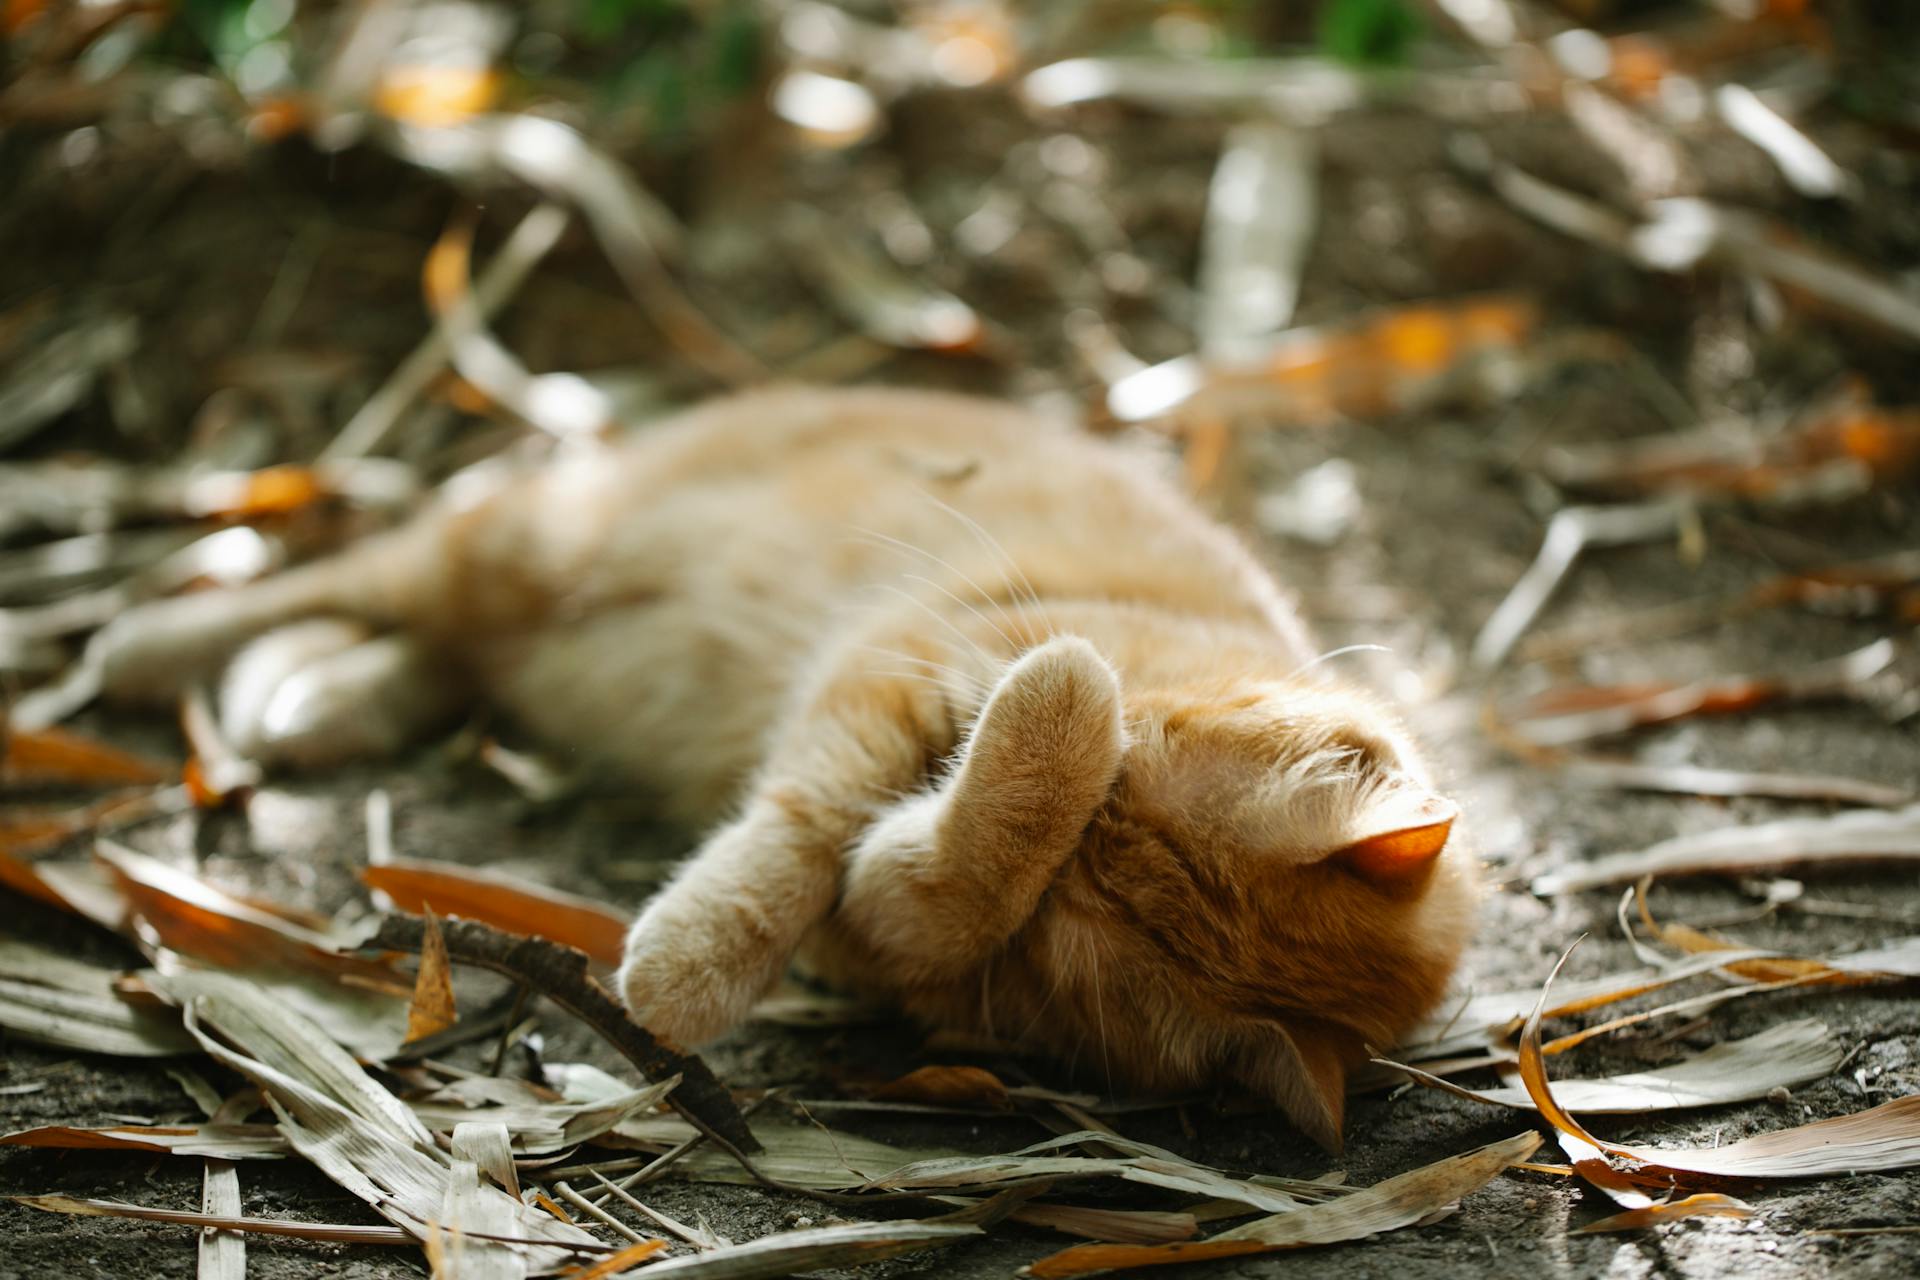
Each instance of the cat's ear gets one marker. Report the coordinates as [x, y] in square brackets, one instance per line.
[1399, 839]
[1302, 1069]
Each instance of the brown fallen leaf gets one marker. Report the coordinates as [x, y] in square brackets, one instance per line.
[214, 1141]
[432, 1008]
[1398, 1202]
[615, 1263]
[505, 902]
[948, 1086]
[1562, 717]
[60, 756]
[1707, 1204]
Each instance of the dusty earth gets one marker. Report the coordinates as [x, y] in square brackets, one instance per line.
[1449, 521]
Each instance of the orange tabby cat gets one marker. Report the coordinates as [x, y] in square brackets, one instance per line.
[983, 716]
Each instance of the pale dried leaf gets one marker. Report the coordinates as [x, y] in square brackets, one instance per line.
[223, 1254]
[1398, 1202]
[1736, 1071]
[1866, 836]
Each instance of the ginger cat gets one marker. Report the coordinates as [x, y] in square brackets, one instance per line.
[980, 714]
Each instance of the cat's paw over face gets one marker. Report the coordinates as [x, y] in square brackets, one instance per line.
[1269, 894]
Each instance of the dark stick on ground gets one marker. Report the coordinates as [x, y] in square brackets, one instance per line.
[559, 973]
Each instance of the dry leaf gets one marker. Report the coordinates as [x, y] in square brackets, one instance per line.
[342, 1120]
[469, 1213]
[432, 1008]
[213, 1141]
[1885, 1137]
[58, 756]
[503, 901]
[223, 1254]
[948, 1087]
[1564, 717]
[54, 999]
[1398, 1202]
[1707, 1204]
[813, 1249]
[615, 1263]
[1866, 836]
[1735, 1071]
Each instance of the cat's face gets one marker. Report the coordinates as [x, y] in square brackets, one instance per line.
[1266, 892]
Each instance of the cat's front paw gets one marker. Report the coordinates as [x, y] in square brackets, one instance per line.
[689, 975]
[667, 993]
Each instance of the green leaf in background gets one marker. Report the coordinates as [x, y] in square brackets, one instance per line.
[1376, 33]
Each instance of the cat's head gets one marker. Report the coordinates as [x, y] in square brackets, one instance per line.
[1265, 889]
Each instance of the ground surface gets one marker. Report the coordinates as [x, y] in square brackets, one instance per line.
[1447, 527]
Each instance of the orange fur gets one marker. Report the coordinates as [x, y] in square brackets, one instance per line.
[990, 720]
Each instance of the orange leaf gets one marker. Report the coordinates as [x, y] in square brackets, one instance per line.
[432, 1007]
[55, 755]
[1704, 1205]
[435, 97]
[948, 1087]
[505, 902]
[614, 1263]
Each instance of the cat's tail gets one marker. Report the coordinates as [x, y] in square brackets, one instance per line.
[152, 653]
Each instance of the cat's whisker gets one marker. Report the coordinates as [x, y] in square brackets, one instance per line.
[984, 620]
[935, 614]
[1330, 654]
[1025, 626]
[993, 544]
[972, 682]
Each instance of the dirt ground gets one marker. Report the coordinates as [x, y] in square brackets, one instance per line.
[1449, 521]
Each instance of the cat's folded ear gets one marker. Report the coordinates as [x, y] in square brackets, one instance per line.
[1302, 1068]
[1394, 842]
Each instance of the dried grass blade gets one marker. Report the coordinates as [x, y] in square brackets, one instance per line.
[1398, 1202]
[331, 1232]
[1867, 836]
[1569, 534]
[223, 1254]
[503, 901]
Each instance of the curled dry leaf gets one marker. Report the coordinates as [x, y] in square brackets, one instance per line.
[503, 901]
[1885, 1137]
[1398, 1202]
[1736, 1071]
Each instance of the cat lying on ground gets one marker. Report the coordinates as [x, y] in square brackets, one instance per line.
[978, 714]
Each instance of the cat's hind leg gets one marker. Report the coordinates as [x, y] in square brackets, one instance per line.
[327, 690]
[155, 651]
